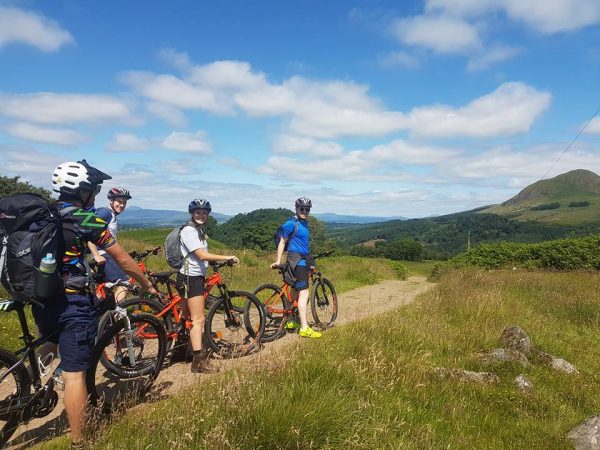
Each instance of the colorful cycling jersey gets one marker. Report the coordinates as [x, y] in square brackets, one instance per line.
[80, 227]
[299, 242]
[109, 216]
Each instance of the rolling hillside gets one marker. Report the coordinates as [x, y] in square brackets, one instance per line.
[577, 193]
[513, 220]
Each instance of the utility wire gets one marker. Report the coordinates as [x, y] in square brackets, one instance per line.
[571, 143]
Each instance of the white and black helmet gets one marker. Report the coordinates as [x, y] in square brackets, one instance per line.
[303, 201]
[118, 192]
[199, 203]
[71, 177]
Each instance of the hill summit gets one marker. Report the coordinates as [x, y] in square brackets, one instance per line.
[572, 197]
[576, 182]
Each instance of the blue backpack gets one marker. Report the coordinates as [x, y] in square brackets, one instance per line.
[280, 233]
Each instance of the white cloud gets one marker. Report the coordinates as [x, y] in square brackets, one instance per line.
[510, 109]
[542, 15]
[406, 153]
[314, 108]
[188, 142]
[50, 108]
[399, 59]
[554, 16]
[492, 56]
[307, 146]
[126, 143]
[172, 115]
[30, 164]
[173, 91]
[19, 26]
[442, 34]
[43, 135]
[594, 126]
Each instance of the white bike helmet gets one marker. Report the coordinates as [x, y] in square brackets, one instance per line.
[71, 177]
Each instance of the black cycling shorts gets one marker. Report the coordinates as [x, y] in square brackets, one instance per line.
[195, 285]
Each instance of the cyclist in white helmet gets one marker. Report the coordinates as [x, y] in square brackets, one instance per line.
[117, 198]
[72, 318]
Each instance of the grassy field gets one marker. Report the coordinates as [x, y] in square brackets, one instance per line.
[371, 384]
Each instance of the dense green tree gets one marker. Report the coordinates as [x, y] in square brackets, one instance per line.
[12, 185]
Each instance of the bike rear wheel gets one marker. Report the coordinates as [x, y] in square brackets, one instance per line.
[236, 331]
[113, 380]
[12, 388]
[323, 303]
[275, 304]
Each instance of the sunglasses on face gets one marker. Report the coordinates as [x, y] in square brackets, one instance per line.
[303, 209]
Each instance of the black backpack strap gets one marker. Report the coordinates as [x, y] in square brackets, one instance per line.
[296, 221]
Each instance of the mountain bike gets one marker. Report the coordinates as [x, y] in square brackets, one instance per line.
[279, 308]
[234, 323]
[23, 395]
[134, 349]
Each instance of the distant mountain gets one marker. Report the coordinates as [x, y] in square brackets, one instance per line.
[566, 205]
[136, 217]
[340, 218]
[572, 197]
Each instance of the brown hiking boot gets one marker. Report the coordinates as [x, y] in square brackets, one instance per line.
[201, 362]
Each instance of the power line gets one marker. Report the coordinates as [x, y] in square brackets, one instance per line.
[571, 143]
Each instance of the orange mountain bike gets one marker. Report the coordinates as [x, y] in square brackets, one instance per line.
[234, 324]
[279, 308]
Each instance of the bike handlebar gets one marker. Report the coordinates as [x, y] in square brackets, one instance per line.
[324, 254]
[218, 264]
[140, 256]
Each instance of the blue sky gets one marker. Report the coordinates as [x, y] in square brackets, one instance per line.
[368, 107]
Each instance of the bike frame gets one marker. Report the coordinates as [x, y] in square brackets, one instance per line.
[10, 406]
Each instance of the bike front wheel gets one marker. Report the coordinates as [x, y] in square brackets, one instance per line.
[13, 388]
[323, 303]
[234, 326]
[126, 361]
[276, 305]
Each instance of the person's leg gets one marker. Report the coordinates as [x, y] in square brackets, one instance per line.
[197, 315]
[75, 399]
[80, 325]
[121, 293]
[302, 306]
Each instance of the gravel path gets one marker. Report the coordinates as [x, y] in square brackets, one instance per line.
[353, 305]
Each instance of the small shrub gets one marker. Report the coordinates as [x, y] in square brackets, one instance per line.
[399, 269]
[544, 206]
[579, 204]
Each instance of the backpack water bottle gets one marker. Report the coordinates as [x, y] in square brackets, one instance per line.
[44, 283]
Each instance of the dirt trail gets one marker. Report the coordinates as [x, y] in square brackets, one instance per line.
[354, 305]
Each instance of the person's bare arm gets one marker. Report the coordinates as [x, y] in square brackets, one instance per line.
[97, 256]
[212, 257]
[130, 267]
[280, 250]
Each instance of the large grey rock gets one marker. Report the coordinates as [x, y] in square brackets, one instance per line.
[523, 384]
[515, 338]
[466, 375]
[587, 435]
[506, 355]
[556, 363]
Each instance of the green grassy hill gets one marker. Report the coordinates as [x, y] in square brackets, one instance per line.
[574, 187]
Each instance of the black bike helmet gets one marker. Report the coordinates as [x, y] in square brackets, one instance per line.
[118, 192]
[303, 201]
[199, 203]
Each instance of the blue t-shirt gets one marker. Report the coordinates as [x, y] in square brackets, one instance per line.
[299, 242]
